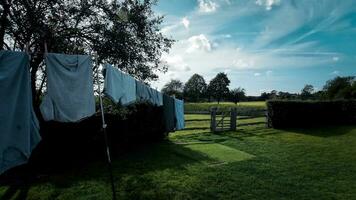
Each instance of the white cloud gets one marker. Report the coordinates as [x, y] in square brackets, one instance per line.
[257, 74]
[243, 63]
[207, 6]
[269, 73]
[175, 63]
[335, 73]
[227, 36]
[335, 58]
[268, 4]
[185, 22]
[198, 42]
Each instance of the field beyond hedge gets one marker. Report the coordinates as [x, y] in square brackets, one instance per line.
[254, 108]
[253, 162]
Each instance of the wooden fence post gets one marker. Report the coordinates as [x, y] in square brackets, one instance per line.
[233, 118]
[213, 119]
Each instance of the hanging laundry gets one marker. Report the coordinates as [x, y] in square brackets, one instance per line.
[142, 91]
[70, 94]
[145, 93]
[19, 128]
[179, 113]
[118, 86]
[169, 113]
[156, 97]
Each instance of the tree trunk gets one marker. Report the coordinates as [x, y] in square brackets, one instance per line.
[4, 22]
[36, 98]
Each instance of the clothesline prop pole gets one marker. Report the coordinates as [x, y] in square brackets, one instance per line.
[108, 155]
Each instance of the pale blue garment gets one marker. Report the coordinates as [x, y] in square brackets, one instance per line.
[157, 97]
[179, 112]
[19, 128]
[70, 93]
[145, 93]
[142, 91]
[169, 113]
[118, 86]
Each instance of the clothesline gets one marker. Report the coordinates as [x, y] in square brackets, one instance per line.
[69, 98]
[70, 91]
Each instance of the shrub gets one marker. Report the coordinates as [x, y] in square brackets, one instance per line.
[284, 114]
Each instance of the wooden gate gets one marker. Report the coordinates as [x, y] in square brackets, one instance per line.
[223, 120]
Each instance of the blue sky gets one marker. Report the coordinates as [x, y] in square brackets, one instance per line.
[261, 44]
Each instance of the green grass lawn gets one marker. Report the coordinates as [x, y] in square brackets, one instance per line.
[253, 162]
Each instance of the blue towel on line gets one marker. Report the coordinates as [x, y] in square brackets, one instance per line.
[179, 113]
[145, 93]
[70, 93]
[19, 128]
[118, 86]
[169, 113]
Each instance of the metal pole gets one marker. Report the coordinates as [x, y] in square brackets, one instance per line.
[105, 134]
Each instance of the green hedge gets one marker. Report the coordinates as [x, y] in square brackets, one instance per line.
[284, 114]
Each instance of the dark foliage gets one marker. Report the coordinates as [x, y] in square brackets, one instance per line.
[218, 87]
[285, 114]
[237, 95]
[123, 33]
[64, 145]
[173, 88]
[195, 88]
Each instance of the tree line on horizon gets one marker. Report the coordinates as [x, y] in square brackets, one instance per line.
[197, 90]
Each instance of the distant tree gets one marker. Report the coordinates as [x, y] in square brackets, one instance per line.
[269, 95]
[195, 88]
[285, 95]
[174, 87]
[320, 95]
[237, 94]
[273, 94]
[218, 87]
[340, 88]
[264, 96]
[307, 92]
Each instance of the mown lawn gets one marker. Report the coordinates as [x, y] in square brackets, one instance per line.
[252, 163]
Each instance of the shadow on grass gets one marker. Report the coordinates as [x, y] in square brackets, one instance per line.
[133, 164]
[325, 131]
[197, 120]
[251, 124]
[218, 137]
[21, 189]
[196, 128]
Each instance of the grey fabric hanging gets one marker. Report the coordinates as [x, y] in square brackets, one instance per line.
[70, 94]
[19, 128]
[118, 86]
[179, 114]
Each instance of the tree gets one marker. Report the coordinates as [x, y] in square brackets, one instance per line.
[269, 95]
[174, 87]
[237, 94]
[340, 88]
[123, 33]
[286, 95]
[218, 87]
[195, 88]
[307, 92]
